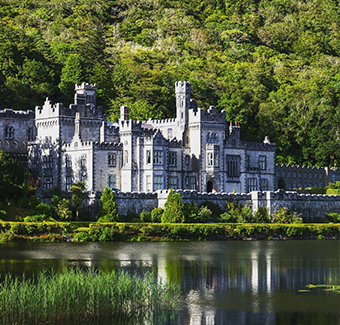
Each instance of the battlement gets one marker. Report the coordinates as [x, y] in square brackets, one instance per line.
[130, 124]
[78, 145]
[261, 146]
[213, 116]
[85, 86]
[183, 87]
[163, 122]
[23, 115]
[304, 167]
[108, 145]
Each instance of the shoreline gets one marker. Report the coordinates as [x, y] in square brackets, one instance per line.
[124, 232]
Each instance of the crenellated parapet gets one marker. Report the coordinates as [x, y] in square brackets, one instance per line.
[212, 115]
[8, 113]
[260, 146]
[130, 125]
[108, 145]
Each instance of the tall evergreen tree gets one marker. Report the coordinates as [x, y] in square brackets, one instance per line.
[173, 209]
[108, 211]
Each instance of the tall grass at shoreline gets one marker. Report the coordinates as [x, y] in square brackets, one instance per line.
[80, 296]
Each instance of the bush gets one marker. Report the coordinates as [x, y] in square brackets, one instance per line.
[262, 215]
[215, 209]
[145, 216]
[156, 215]
[240, 212]
[285, 216]
[227, 218]
[38, 218]
[43, 208]
[63, 210]
[333, 217]
[108, 211]
[317, 190]
[174, 209]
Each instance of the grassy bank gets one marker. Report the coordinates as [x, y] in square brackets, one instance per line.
[81, 296]
[84, 231]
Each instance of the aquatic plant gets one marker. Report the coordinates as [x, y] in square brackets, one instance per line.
[81, 296]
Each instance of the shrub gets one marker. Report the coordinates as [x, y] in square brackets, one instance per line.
[215, 209]
[227, 218]
[108, 211]
[241, 213]
[317, 190]
[156, 215]
[38, 218]
[78, 196]
[285, 216]
[174, 209]
[63, 210]
[333, 217]
[145, 216]
[262, 215]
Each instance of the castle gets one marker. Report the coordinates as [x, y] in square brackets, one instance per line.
[197, 150]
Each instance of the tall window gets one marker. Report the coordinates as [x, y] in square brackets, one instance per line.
[173, 183]
[148, 183]
[112, 159]
[68, 183]
[233, 165]
[30, 134]
[264, 185]
[172, 159]
[169, 133]
[9, 132]
[212, 159]
[111, 181]
[148, 156]
[252, 184]
[68, 161]
[157, 183]
[193, 183]
[190, 182]
[126, 157]
[262, 162]
[158, 157]
[47, 182]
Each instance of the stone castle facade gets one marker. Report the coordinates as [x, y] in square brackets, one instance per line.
[197, 150]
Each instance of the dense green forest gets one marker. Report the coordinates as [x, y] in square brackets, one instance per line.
[273, 65]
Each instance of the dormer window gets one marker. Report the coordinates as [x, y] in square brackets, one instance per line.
[9, 132]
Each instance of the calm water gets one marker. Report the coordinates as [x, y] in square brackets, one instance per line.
[221, 282]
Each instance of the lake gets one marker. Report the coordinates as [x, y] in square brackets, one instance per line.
[230, 282]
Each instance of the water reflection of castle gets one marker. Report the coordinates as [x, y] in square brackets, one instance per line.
[248, 282]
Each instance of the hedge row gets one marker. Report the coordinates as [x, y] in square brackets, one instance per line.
[85, 231]
[170, 231]
[38, 231]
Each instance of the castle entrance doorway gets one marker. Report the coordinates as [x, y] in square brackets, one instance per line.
[209, 186]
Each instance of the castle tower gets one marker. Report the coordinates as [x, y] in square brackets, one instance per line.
[86, 92]
[183, 93]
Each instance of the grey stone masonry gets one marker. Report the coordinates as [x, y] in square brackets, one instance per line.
[195, 150]
[308, 206]
[300, 177]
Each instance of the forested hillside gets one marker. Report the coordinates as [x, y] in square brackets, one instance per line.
[273, 65]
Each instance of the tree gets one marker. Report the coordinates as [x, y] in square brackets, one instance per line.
[78, 196]
[63, 210]
[173, 209]
[108, 211]
[11, 178]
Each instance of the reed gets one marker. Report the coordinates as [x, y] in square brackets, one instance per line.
[79, 296]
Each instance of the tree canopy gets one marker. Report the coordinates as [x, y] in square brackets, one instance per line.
[273, 65]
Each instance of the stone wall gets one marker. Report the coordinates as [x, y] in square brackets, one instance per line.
[308, 205]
